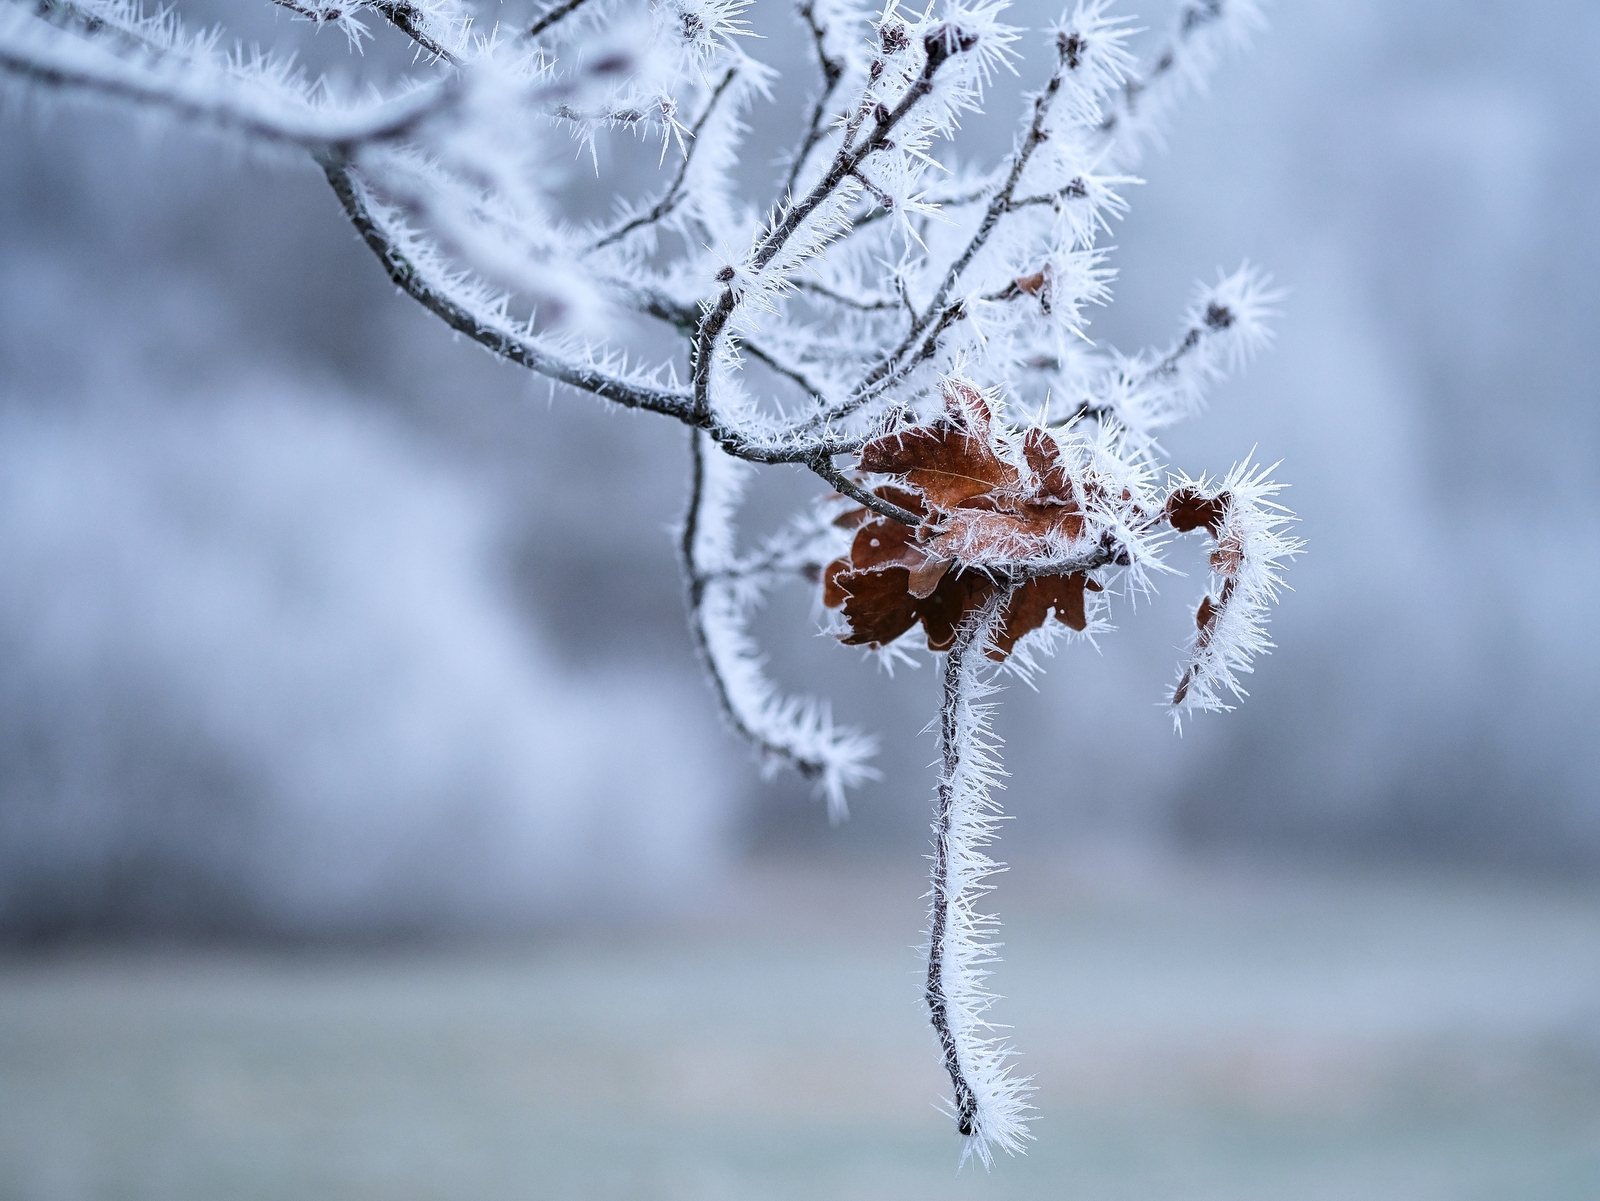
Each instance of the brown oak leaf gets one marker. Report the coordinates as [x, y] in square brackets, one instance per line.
[978, 513]
[1032, 603]
[948, 461]
[1188, 510]
[879, 605]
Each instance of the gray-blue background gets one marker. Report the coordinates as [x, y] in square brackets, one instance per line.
[313, 619]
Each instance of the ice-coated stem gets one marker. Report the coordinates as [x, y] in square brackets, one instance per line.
[988, 1102]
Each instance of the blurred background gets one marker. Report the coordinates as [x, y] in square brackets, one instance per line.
[366, 829]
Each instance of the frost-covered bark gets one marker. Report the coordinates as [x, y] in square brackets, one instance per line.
[988, 1102]
[992, 474]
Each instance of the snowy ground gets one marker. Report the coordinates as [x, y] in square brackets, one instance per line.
[1195, 1033]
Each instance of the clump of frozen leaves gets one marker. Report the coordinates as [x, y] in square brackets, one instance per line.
[919, 317]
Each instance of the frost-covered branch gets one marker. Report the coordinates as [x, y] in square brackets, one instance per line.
[1226, 326]
[1204, 29]
[674, 195]
[412, 19]
[988, 1101]
[833, 68]
[553, 14]
[995, 480]
[258, 98]
[480, 314]
[797, 732]
[1249, 549]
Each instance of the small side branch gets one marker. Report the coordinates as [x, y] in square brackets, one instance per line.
[783, 369]
[849, 302]
[403, 15]
[559, 12]
[1202, 26]
[45, 54]
[1000, 203]
[939, 313]
[674, 194]
[408, 19]
[850, 157]
[822, 464]
[832, 73]
[785, 732]
[502, 341]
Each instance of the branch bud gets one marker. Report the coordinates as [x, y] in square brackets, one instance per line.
[943, 42]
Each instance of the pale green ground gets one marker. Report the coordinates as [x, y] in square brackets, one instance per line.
[1195, 1033]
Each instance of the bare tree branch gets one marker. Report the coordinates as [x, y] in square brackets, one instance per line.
[277, 119]
[499, 339]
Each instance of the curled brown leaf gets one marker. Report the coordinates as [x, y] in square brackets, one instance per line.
[1188, 509]
[1031, 284]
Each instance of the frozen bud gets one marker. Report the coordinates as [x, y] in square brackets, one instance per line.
[1070, 46]
[945, 41]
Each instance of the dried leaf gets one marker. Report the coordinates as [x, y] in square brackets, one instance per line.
[1031, 604]
[881, 543]
[945, 462]
[1049, 472]
[877, 605]
[1204, 615]
[1032, 284]
[1188, 510]
[979, 516]
[1228, 556]
[956, 595]
[992, 537]
[950, 460]
[925, 578]
[832, 593]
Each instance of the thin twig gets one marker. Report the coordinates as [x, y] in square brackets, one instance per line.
[1215, 319]
[385, 122]
[944, 202]
[507, 344]
[502, 342]
[1195, 17]
[823, 466]
[1000, 203]
[675, 193]
[700, 582]
[550, 18]
[832, 73]
[403, 15]
[793, 373]
[893, 367]
[407, 18]
[863, 306]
